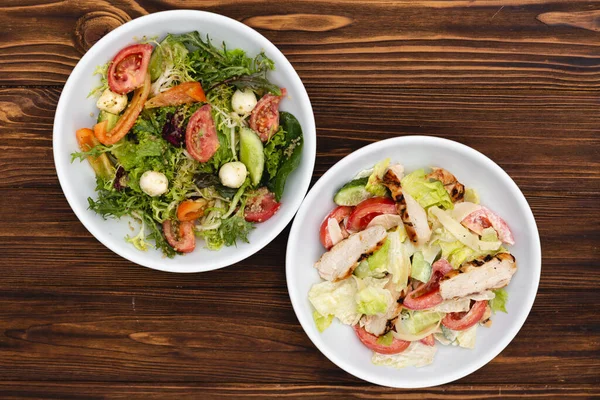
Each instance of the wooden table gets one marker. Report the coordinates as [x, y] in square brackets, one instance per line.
[518, 80]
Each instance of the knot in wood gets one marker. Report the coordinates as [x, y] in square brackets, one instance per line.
[93, 26]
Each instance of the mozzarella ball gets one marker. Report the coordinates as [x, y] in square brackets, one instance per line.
[112, 102]
[233, 174]
[243, 102]
[154, 183]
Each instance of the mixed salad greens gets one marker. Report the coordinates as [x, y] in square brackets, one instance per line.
[411, 259]
[190, 142]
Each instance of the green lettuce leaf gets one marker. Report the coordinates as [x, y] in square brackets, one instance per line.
[471, 196]
[322, 322]
[421, 269]
[373, 300]
[337, 299]
[374, 184]
[398, 259]
[417, 355]
[386, 340]
[427, 192]
[498, 303]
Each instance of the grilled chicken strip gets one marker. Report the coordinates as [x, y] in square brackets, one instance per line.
[381, 324]
[339, 262]
[479, 275]
[455, 189]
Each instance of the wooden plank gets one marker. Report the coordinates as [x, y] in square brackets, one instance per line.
[149, 391]
[492, 44]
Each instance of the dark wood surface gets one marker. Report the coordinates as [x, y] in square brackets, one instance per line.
[518, 80]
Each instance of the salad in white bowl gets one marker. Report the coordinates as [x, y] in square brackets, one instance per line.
[412, 260]
[380, 289]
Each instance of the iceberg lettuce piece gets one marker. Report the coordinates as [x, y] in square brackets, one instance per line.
[398, 261]
[498, 303]
[322, 322]
[426, 192]
[337, 299]
[374, 184]
[373, 300]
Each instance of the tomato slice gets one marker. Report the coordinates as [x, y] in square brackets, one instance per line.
[265, 116]
[201, 139]
[127, 120]
[180, 235]
[338, 213]
[428, 340]
[190, 210]
[261, 206]
[459, 321]
[128, 69]
[427, 295]
[369, 340]
[101, 164]
[365, 211]
[483, 218]
[186, 93]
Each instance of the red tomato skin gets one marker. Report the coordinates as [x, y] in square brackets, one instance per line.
[368, 209]
[185, 242]
[128, 69]
[428, 340]
[261, 206]
[338, 213]
[265, 116]
[461, 321]
[370, 341]
[427, 295]
[201, 138]
[483, 218]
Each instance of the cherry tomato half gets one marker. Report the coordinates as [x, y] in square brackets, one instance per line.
[261, 206]
[365, 211]
[128, 69]
[201, 139]
[339, 213]
[397, 346]
[180, 235]
[265, 116]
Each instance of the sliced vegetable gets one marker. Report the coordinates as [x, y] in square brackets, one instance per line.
[373, 300]
[106, 116]
[127, 120]
[416, 354]
[397, 345]
[464, 320]
[498, 303]
[260, 206]
[252, 155]
[184, 93]
[352, 193]
[484, 218]
[427, 295]
[421, 269]
[322, 322]
[265, 115]
[180, 235]
[427, 193]
[190, 210]
[374, 185]
[101, 164]
[338, 214]
[369, 209]
[336, 298]
[128, 69]
[201, 139]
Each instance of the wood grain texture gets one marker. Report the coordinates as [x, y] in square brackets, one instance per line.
[518, 80]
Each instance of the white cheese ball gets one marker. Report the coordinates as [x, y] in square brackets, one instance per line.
[233, 174]
[243, 102]
[154, 183]
[112, 102]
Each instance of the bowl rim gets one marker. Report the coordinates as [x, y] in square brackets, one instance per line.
[346, 163]
[170, 17]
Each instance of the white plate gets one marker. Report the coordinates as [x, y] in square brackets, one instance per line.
[74, 109]
[497, 191]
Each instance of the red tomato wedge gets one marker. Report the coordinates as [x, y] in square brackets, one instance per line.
[201, 139]
[339, 213]
[365, 211]
[261, 206]
[459, 321]
[265, 116]
[101, 164]
[128, 69]
[190, 210]
[428, 340]
[180, 235]
[397, 346]
[127, 120]
[186, 93]
[427, 295]
[483, 218]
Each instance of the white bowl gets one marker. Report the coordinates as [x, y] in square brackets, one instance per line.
[74, 109]
[497, 191]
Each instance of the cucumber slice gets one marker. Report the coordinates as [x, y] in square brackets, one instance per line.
[111, 118]
[352, 193]
[251, 154]
[420, 269]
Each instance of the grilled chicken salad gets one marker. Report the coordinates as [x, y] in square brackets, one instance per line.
[190, 142]
[412, 259]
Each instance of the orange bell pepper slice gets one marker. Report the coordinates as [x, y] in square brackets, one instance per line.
[101, 164]
[190, 210]
[185, 93]
[127, 120]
